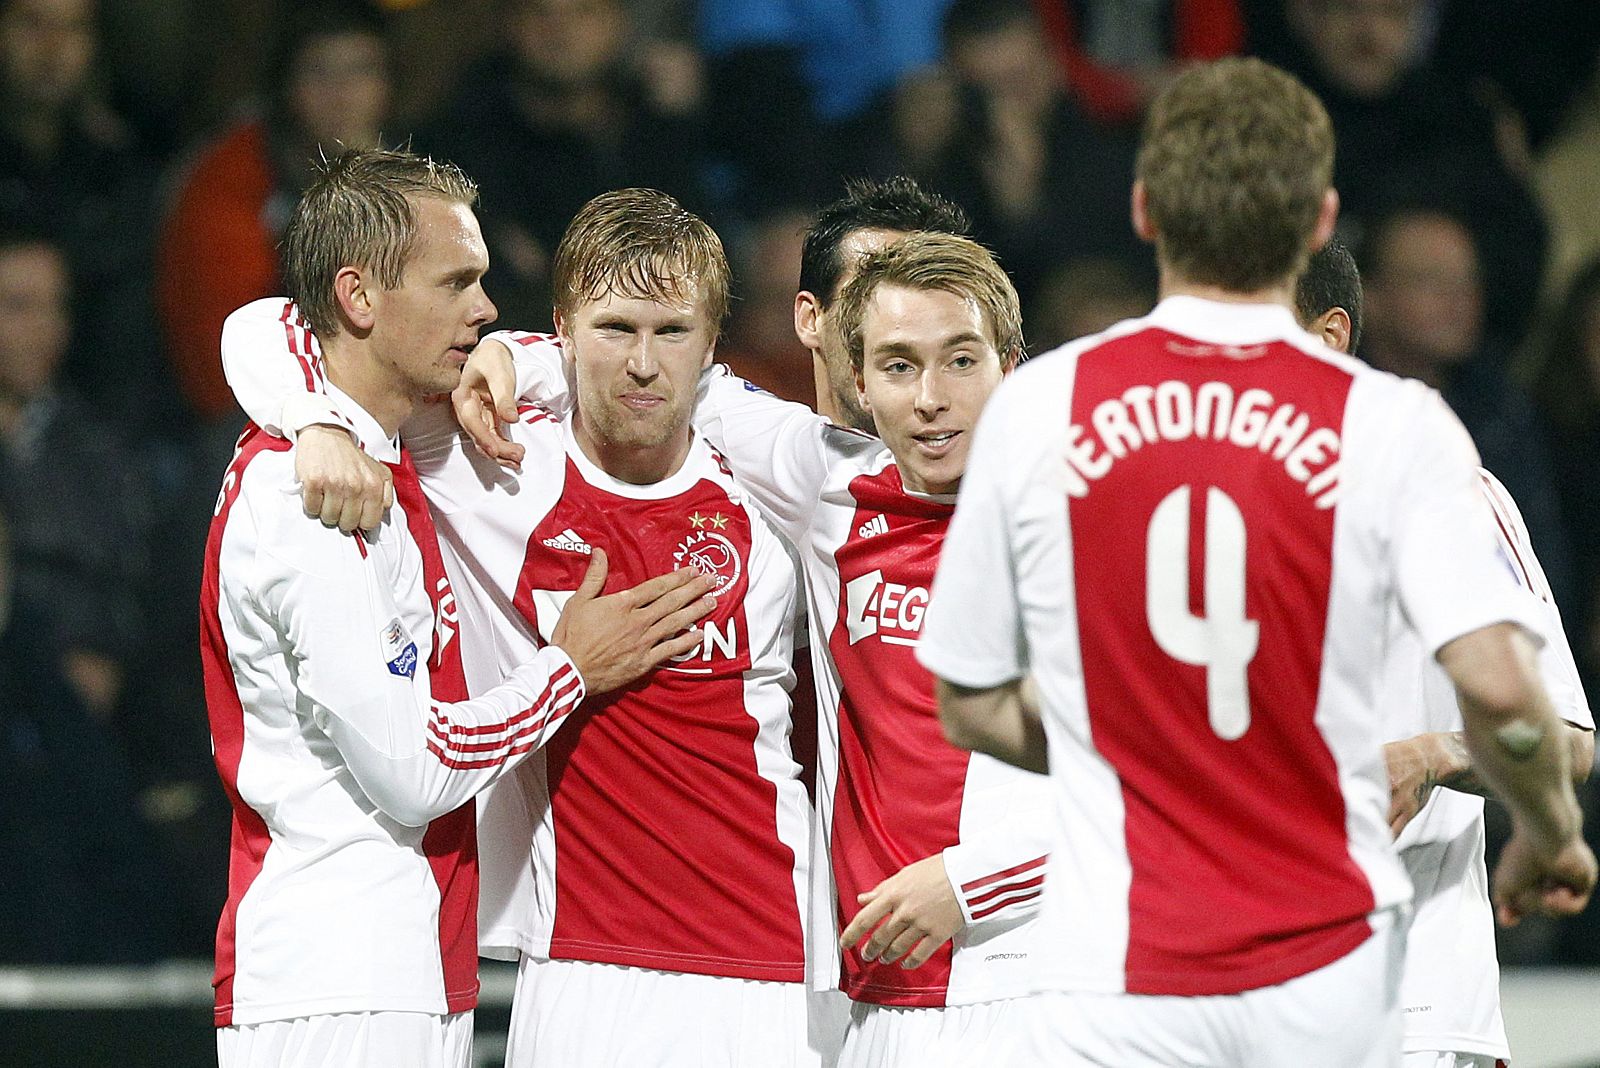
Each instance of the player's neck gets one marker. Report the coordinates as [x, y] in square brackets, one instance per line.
[1175, 285]
[356, 370]
[637, 465]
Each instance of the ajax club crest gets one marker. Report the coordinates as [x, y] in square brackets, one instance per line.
[709, 552]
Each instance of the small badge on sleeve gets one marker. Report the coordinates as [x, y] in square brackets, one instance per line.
[399, 650]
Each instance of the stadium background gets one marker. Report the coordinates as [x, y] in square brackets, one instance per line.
[150, 151]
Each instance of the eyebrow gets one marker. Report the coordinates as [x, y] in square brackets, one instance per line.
[895, 348]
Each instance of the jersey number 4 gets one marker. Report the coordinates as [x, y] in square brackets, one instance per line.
[1222, 640]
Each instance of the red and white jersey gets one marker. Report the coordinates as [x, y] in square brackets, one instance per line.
[1189, 531]
[668, 825]
[1450, 992]
[891, 789]
[344, 743]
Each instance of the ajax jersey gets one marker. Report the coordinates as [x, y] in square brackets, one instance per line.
[1188, 530]
[891, 789]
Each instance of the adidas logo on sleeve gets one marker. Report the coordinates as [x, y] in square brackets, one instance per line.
[873, 527]
[570, 541]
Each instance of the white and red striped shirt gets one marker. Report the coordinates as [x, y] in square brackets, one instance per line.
[668, 825]
[344, 742]
[891, 789]
[1188, 530]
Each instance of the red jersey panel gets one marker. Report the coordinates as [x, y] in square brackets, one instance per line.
[667, 853]
[1202, 604]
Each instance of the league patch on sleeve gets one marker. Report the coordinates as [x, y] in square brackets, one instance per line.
[753, 388]
[399, 650]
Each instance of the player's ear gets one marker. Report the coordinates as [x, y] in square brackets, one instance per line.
[1009, 361]
[354, 299]
[861, 389]
[1139, 211]
[563, 329]
[1335, 332]
[1327, 216]
[808, 319]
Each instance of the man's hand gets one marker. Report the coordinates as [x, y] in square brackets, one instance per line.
[340, 484]
[1411, 779]
[614, 639]
[914, 912]
[1555, 884]
[487, 397]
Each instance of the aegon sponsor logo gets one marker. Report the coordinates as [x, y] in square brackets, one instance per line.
[888, 609]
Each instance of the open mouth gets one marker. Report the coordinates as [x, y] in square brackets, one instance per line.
[936, 443]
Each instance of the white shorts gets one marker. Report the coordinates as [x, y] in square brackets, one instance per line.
[578, 1014]
[350, 1040]
[1343, 1015]
[885, 1036]
[1430, 1059]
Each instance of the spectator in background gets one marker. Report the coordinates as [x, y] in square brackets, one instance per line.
[79, 518]
[1083, 297]
[760, 343]
[80, 882]
[1118, 56]
[68, 165]
[1567, 388]
[800, 89]
[1564, 177]
[1043, 183]
[329, 86]
[1425, 320]
[1402, 126]
[561, 116]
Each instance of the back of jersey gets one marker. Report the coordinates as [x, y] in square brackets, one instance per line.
[1199, 514]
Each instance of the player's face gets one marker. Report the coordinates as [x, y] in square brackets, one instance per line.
[928, 369]
[841, 377]
[425, 327]
[637, 362]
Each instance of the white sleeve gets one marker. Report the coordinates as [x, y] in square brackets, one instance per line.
[541, 367]
[1450, 573]
[778, 449]
[273, 364]
[998, 878]
[972, 635]
[368, 688]
[1556, 663]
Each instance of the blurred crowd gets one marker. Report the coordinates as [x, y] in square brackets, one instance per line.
[150, 151]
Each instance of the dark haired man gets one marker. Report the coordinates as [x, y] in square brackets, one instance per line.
[1180, 540]
[870, 215]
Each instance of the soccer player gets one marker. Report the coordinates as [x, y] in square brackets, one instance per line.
[935, 857]
[659, 916]
[341, 728]
[1188, 533]
[867, 217]
[1450, 991]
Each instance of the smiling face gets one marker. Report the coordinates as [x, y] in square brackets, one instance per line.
[637, 362]
[423, 329]
[928, 367]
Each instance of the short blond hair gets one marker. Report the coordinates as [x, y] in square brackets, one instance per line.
[1235, 159]
[936, 261]
[641, 243]
[358, 213]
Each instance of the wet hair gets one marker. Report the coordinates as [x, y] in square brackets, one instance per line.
[935, 261]
[1331, 280]
[641, 243]
[897, 203]
[358, 212]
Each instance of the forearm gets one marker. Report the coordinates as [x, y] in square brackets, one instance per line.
[1453, 767]
[1001, 721]
[1525, 759]
[432, 760]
